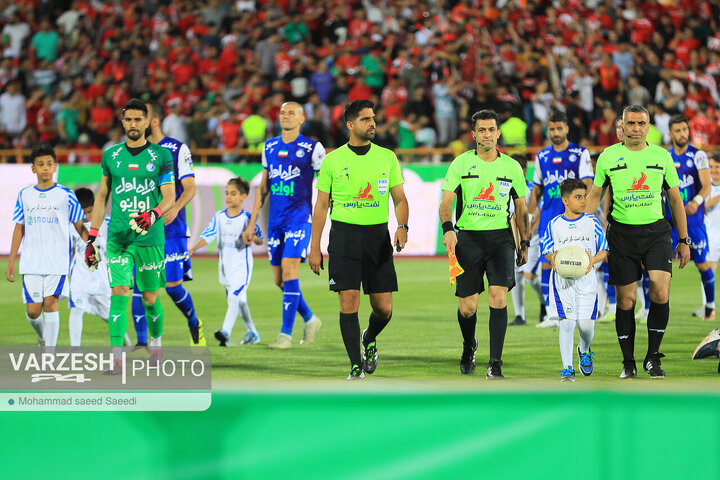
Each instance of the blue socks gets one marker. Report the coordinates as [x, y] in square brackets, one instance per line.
[184, 302]
[646, 289]
[303, 308]
[138, 314]
[545, 285]
[291, 301]
[708, 281]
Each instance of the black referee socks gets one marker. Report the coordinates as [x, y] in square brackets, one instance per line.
[350, 331]
[625, 328]
[467, 327]
[498, 327]
[656, 324]
[375, 326]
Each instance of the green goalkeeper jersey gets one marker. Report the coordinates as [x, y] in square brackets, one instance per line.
[135, 182]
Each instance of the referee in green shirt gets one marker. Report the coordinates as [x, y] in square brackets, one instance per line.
[638, 173]
[355, 182]
[484, 182]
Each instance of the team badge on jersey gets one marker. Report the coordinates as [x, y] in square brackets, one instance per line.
[150, 167]
[383, 185]
[300, 153]
[573, 157]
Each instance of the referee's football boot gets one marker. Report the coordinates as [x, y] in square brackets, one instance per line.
[370, 354]
[586, 362]
[653, 367]
[568, 374]
[467, 359]
[494, 372]
[629, 370]
[356, 373]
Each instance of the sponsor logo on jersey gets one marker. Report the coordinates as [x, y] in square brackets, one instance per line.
[558, 176]
[42, 220]
[364, 193]
[286, 174]
[283, 189]
[383, 185]
[169, 145]
[486, 194]
[639, 183]
[306, 145]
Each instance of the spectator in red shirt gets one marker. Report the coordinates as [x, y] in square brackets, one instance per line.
[703, 127]
[394, 97]
[102, 118]
[611, 86]
[602, 130]
[46, 121]
[360, 90]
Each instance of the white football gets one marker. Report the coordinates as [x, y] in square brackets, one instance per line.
[571, 262]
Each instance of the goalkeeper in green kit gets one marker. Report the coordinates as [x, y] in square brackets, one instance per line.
[139, 176]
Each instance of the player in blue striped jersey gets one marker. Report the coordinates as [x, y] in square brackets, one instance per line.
[574, 301]
[693, 169]
[290, 163]
[236, 259]
[177, 257]
[43, 215]
[555, 163]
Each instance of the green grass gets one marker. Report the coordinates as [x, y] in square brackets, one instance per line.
[422, 342]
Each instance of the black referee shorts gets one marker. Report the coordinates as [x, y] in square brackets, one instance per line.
[632, 246]
[361, 254]
[489, 252]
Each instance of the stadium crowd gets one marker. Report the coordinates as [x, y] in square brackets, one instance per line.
[223, 69]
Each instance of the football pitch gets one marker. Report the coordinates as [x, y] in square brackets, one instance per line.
[422, 342]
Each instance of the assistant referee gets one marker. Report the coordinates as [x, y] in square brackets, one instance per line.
[355, 182]
[484, 182]
[638, 235]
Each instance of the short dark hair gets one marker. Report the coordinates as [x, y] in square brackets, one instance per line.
[156, 110]
[715, 156]
[484, 115]
[135, 104]
[42, 150]
[557, 116]
[675, 119]
[85, 196]
[521, 159]
[569, 185]
[635, 109]
[352, 109]
[240, 184]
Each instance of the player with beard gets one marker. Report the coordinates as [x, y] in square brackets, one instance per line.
[693, 169]
[139, 175]
[555, 163]
[357, 179]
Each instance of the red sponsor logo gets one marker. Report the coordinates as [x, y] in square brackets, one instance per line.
[364, 193]
[485, 194]
[639, 184]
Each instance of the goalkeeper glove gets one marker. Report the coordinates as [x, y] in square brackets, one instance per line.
[142, 222]
[92, 251]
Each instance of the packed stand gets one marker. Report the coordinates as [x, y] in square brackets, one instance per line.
[222, 69]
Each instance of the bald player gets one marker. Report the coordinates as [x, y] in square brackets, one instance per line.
[290, 163]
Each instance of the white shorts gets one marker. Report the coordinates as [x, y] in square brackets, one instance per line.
[237, 293]
[714, 254]
[573, 299]
[38, 287]
[93, 304]
[533, 263]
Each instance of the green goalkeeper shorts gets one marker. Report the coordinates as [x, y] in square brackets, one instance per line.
[149, 264]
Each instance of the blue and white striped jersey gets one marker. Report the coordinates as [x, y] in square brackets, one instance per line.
[48, 216]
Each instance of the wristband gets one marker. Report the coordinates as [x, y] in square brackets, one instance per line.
[404, 225]
[93, 232]
[158, 211]
[525, 243]
[698, 199]
[447, 227]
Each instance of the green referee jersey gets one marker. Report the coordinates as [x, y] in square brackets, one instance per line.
[638, 179]
[359, 185]
[484, 190]
[135, 187]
